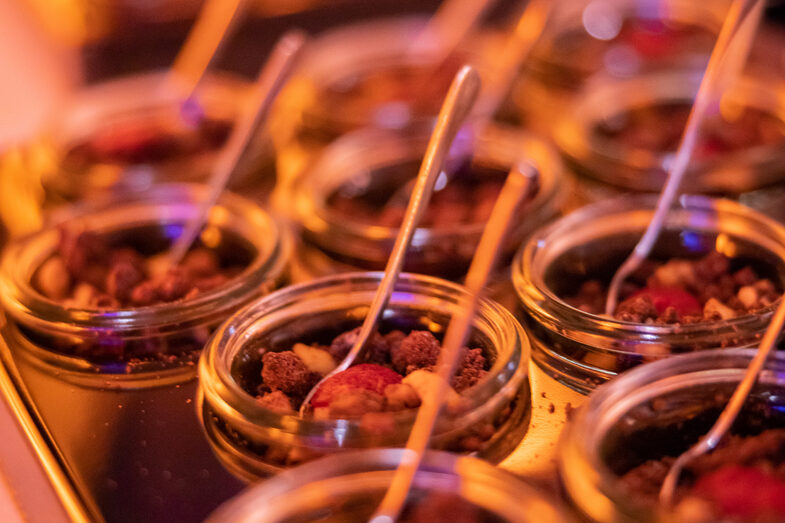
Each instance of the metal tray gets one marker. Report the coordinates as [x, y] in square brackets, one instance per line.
[141, 454]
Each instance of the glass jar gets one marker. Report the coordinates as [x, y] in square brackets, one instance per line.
[654, 410]
[583, 350]
[130, 134]
[611, 164]
[617, 39]
[373, 161]
[365, 75]
[124, 429]
[254, 441]
[352, 485]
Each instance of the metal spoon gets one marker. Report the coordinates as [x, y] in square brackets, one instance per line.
[267, 86]
[516, 49]
[212, 29]
[519, 183]
[728, 415]
[727, 57]
[447, 28]
[460, 99]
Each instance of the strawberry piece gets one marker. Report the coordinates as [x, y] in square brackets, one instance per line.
[654, 40]
[365, 376]
[663, 297]
[743, 491]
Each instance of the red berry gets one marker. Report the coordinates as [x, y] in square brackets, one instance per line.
[366, 376]
[663, 297]
[743, 491]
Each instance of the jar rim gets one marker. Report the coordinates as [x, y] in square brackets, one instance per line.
[503, 492]
[579, 444]
[356, 48]
[543, 303]
[223, 394]
[219, 91]
[686, 11]
[366, 150]
[637, 168]
[498, 485]
[165, 203]
[137, 98]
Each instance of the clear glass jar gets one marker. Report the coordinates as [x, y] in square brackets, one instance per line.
[364, 75]
[668, 404]
[125, 431]
[583, 350]
[608, 166]
[354, 483]
[254, 441]
[334, 242]
[77, 157]
[586, 39]
[159, 215]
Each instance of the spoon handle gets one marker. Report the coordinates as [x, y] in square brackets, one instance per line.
[271, 79]
[516, 49]
[212, 29]
[460, 99]
[447, 28]
[456, 107]
[518, 185]
[731, 410]
[728, 46]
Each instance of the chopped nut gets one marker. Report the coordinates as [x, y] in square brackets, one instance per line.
[400, 396]
[277, 401]
[748, 296]
[317, 360]
[716, 309]
[424, 382]
[675, 273]
[82, 295]
[53, 279]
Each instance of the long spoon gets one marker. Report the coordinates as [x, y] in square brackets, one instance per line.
[731, 411]
[727, 57]
[519, 183]
[447, 28]
[212, 29]
[515, 50]
[457, 105]
[269, 82]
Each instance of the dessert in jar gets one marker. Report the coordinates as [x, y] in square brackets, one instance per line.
[713, 280]
[132, 133]
[622, 134]
[259, 365]
[613, 39]
[615, 453]
[369, 74]
[350, 202]
[350, 486]
[104, 345]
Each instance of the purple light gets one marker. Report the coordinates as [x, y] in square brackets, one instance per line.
[191, 112]
[173, 230]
